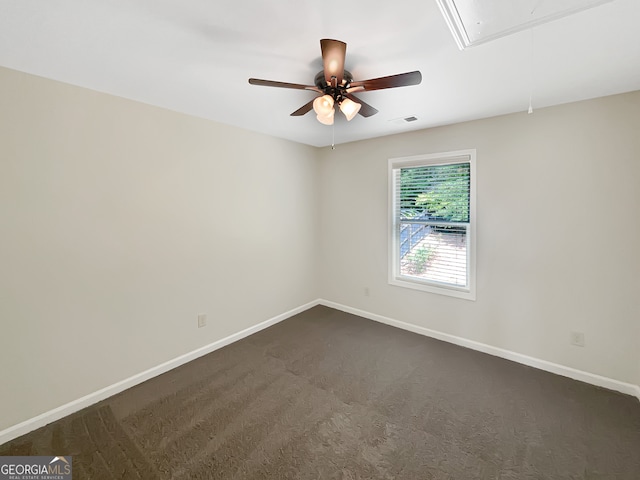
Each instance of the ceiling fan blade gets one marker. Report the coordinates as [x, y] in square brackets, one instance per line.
[333, 53]
[303, 109]
[366, 110]
[392, 81]
[271, 83]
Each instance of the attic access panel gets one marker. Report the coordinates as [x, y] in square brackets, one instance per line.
[478, 21]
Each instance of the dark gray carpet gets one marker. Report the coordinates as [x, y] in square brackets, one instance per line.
[327, 395]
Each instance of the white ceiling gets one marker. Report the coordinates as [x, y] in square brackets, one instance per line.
[195, 56]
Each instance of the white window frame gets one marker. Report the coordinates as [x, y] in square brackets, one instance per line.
[395, 278]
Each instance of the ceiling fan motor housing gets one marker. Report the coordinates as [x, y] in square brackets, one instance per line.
[336, 92]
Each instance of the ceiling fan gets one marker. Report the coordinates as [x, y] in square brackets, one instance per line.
[335, 86]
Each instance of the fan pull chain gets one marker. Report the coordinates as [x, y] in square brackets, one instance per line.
[333, 136]
[535, 7]
[531, 69]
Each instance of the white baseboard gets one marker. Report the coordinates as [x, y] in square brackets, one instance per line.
[95, 397]
[580, 375]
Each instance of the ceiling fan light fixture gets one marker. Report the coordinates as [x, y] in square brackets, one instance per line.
[335, 85]
[349, 108]
[323, 105]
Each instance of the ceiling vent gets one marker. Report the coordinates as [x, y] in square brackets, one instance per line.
[473, 22]
[403, 120]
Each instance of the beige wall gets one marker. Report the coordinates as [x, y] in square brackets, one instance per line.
[121, 222]
[558, 233]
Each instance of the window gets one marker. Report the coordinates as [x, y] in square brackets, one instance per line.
[432, 223]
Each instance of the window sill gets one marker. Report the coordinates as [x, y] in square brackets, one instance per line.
[466, 294]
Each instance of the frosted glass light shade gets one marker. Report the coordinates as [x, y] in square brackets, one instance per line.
[349, 108]
[323, 105]
[326, 119]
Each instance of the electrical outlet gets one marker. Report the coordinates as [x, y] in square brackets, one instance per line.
[202, 320]
[366, 292]
[577, 339]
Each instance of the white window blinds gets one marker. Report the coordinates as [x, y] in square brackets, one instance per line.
[431, 222]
